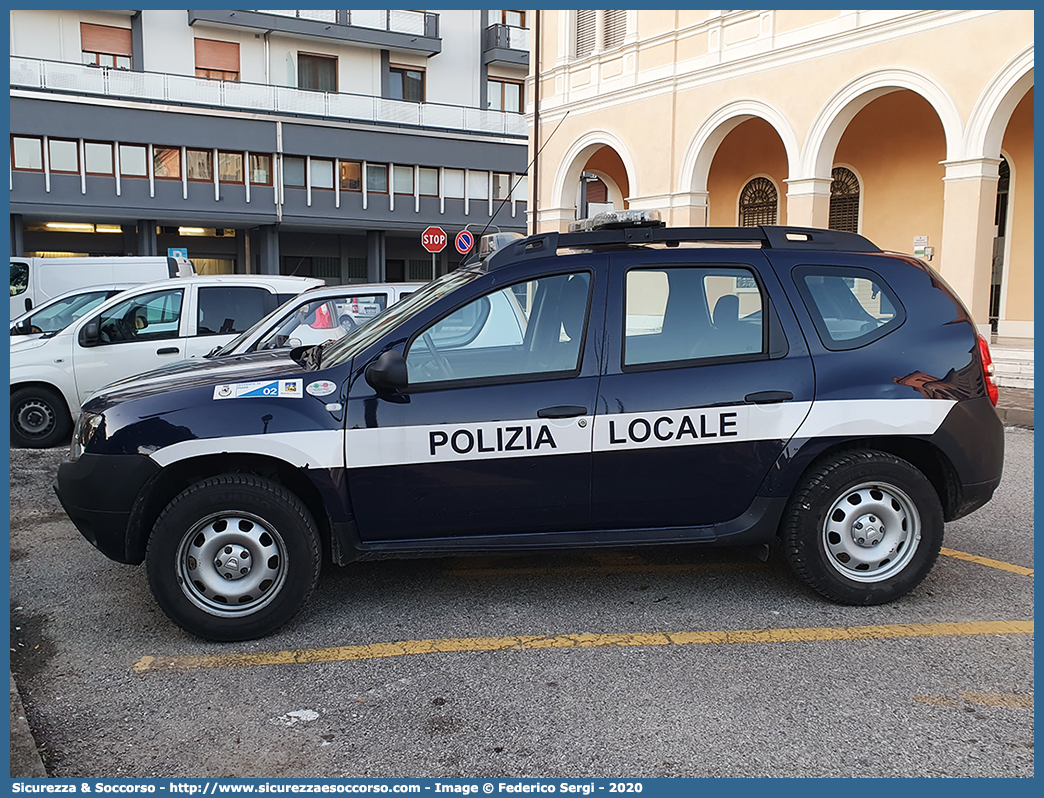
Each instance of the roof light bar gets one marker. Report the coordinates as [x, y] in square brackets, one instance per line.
[617, 220]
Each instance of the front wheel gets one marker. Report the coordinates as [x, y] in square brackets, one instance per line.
[39, 418]
[233, 557]
[864, 528]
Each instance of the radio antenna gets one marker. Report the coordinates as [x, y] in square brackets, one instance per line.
[474, 246]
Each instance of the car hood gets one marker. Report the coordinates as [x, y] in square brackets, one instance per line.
[199, 372]
[26, 343]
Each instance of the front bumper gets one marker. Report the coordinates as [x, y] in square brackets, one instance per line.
[97, 492]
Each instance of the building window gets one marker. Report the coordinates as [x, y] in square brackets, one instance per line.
[844, 200]
[478, 185]
[584, 39]
[97, 158]
[64, 155]
[759, 203]
[200, 164]
[503, 95]
[515, 19]
[615, 28]
[316, 72]
[357, 269]
[134, 160]
[261, 170]
[217, 60]
[406, 84]
[351, 176]
[454, 183]
[501, 186]
[376, 178]
[322, 173]
[27, 153]
[293, 171]
[419, 270]
[403, 179]
[104, 45]
[230, 167]
[166, 163]
[429, 182]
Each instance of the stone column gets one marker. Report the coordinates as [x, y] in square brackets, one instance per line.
[268, 249]
[808, 202]
[147, 243]
[375, 255]
[965, 256]
[17, 235]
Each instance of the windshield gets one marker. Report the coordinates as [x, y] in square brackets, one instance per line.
[60, 314]
[367, 334]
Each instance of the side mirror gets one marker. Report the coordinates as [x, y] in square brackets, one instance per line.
[388, 372]
[90, 334]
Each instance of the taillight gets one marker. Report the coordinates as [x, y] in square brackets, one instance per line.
[988, 370]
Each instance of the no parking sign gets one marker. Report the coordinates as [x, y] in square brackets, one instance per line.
[464, 242]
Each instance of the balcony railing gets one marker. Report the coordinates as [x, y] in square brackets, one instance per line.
[505, 37]
[416, 23]
[61, 76]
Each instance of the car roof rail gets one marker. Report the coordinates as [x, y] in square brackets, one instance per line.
[769, 237]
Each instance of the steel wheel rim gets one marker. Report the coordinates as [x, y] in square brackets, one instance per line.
[871, 532]
[213, 572]
[35, 418]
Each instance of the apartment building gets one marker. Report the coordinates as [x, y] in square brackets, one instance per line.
[914, 128]
[316, 143]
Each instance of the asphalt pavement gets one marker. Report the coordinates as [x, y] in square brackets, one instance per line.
[34, 509]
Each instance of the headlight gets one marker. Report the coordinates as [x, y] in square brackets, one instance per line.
[86, 426]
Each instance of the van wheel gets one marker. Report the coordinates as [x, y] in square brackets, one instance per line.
[39, 418]
[864, 528]
[233, 557]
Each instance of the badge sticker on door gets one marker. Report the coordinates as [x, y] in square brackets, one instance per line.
[272, 389]
[321, 388]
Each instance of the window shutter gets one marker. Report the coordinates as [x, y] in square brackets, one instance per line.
[585, 33]
[615, 28]
[105, 39]
[222, 56]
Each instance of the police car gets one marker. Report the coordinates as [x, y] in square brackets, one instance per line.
[715, 385]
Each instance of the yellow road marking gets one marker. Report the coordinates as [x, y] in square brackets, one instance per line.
[523, 642]
[1003, 566]
[1006, 700]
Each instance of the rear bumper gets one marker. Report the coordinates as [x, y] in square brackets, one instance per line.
[98, 491]
[972, 438]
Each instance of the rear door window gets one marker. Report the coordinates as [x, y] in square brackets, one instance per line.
[684, 313]
[850, 306]
[224, 310]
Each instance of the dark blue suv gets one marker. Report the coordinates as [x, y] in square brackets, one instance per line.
[622, 385]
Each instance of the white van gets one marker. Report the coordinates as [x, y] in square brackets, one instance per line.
[35, 280]
[135, 331]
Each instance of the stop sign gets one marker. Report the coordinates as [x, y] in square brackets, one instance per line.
[434, 239]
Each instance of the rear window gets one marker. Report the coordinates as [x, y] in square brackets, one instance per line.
[850, 307]
[227, 310]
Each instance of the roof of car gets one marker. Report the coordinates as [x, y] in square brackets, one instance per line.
[625, 235]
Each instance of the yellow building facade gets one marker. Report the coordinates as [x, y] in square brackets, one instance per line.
[913, 128]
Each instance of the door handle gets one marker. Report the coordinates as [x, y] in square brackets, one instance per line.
[767, 397]
[562, 411]
[167, 350]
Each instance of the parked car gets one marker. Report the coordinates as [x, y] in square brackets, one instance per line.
[766, 385]
[56, 314]
[132, 332]
[36, 280]
[316, 316]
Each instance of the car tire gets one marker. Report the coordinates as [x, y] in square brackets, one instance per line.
[233, 557]
[39, 418]
[347, 323]
[863, 528]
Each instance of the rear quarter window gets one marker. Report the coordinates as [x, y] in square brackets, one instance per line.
[850, 306]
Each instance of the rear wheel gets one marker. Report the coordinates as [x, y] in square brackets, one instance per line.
[39, 418]
[864, 528]
[233, 557]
